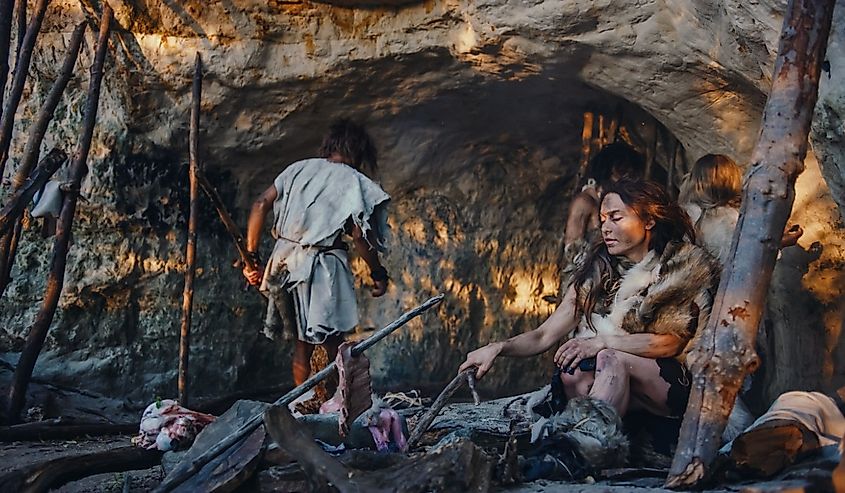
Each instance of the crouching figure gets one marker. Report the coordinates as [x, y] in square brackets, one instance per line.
[627, 320]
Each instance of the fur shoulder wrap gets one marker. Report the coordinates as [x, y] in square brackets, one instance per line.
[680, 296]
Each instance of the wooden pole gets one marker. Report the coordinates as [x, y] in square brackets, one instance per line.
[11, 212]
[7, 121]
[7, 8]
[586, 144]
[20, 16]
[438, 405]
[191, 250]
[651, 149]
[724, 351]
[55, 281]
[185, 471]
[673, 160]
[8, 246]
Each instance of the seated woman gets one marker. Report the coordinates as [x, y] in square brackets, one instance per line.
[634, 306]
[711, 194]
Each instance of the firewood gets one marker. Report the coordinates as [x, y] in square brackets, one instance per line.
[62, 429]
[438, 405]
[51, 474]
[723, 352]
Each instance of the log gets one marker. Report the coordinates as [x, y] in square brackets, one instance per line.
[439, 403]
[51, 474]
[320, 468]
[586, 141]
[7, 121]
[191, 249]
[11, 212]
[457, 467]
[7, 8]
[62, 429]
[769, 448]
[231, 468]
[723, 353]
[38, 129]
[179, 475]
[41, 325]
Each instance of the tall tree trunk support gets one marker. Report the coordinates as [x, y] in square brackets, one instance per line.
[191, 250]
[55, 281]
[724, 351]
[7, 8]
[20, 17]
[7, 121]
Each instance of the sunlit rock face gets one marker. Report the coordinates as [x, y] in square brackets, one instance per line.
[476, 109]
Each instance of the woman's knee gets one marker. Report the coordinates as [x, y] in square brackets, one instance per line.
[577, 384]
[609, 358]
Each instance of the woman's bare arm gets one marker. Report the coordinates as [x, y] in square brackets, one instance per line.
[555, 328]
[260, 208]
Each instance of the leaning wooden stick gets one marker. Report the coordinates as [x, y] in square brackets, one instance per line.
[55, 281]
[13, 209]
[439, 403]
[7, 120]
[226, 218]
[723, 353]
[182, 473]
[191, 250]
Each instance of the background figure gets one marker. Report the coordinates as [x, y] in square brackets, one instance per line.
[314, 202]
[711, 194]
[614, 162]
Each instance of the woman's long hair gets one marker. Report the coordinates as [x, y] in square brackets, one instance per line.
[597, 276]
[715, 180]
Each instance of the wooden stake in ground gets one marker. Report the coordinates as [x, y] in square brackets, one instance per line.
[9, 239]
[724, 352]
[55, 281]
[182, 473]
[7, 121]
[191, 250]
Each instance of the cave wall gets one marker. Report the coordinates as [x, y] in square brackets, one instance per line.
[476, 109]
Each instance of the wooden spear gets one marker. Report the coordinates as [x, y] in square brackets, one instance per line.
[7, 7]
[586, 145]
[55, 282]
[191, 250]
[186, 470]
[724, 352]
[7, 121]
[226, 218]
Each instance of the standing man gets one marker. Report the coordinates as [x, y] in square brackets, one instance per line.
[314, 203]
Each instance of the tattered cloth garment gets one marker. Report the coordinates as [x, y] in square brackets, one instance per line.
[165, 425]
[315, 199]
[354, 393]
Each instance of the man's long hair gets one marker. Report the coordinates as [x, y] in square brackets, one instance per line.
[598, 274]
[353, 143]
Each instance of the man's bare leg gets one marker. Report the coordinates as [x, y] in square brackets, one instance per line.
[619, 374]
[302, 361]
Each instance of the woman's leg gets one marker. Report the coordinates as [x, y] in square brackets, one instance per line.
[624, 380]
[302, 361]
[578, 384]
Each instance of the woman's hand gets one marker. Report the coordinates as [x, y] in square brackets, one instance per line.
[573, 351]
[253, 276]
[482, 358]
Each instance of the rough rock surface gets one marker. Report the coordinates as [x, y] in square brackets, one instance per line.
[476, 108]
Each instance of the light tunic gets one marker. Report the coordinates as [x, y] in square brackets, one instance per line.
[315, 198]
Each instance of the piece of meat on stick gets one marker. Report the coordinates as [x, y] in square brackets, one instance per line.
[354, 391]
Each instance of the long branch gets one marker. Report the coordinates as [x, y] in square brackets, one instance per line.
[55, 281]
[7, 8]
[7, 121]
[724, 351]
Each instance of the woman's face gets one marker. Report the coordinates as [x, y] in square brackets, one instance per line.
[623, 231]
